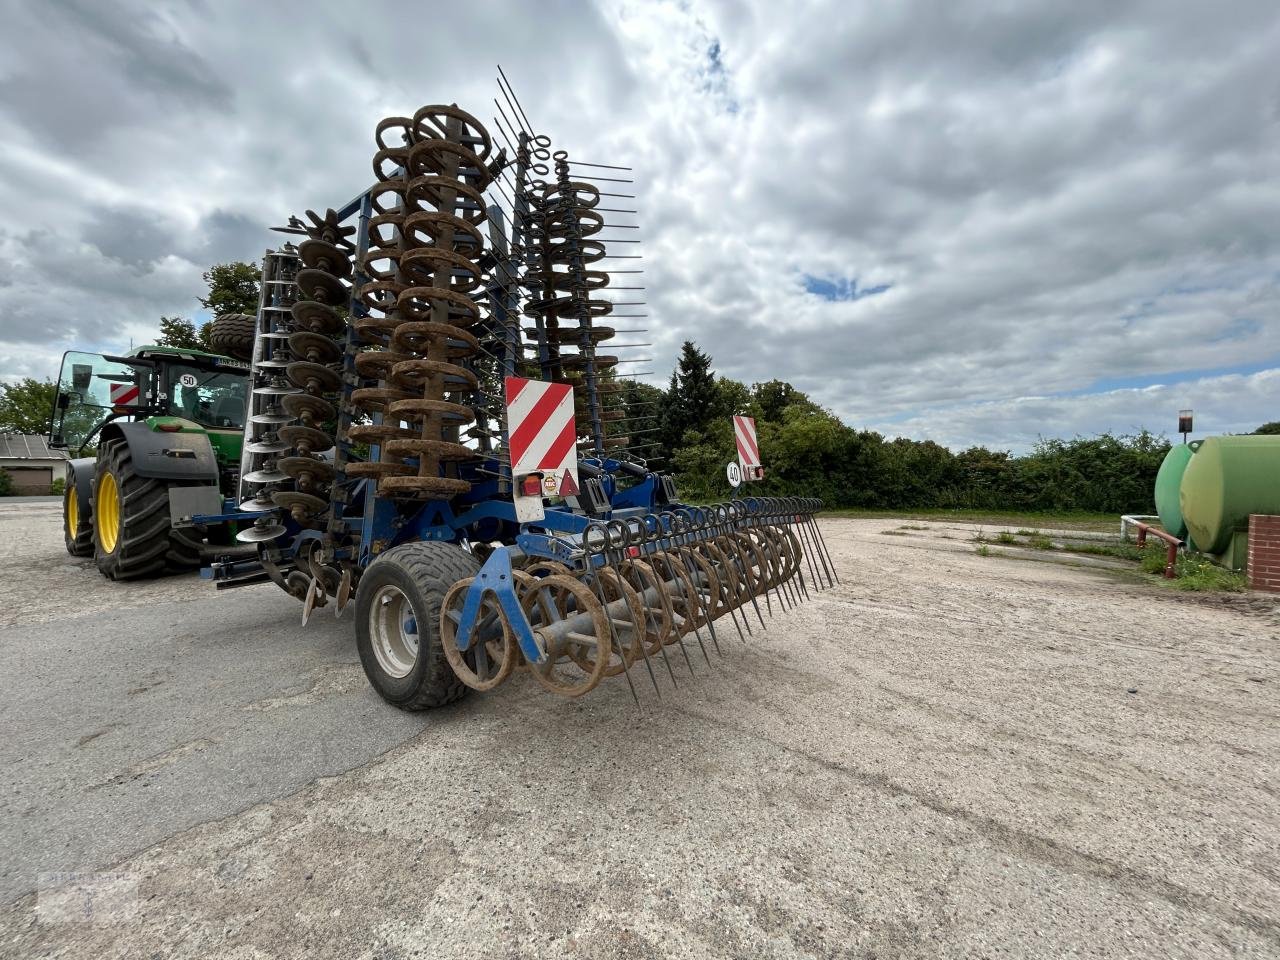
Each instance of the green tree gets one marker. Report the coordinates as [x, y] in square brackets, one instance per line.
[692, 397]
[25, 406]
[233, 288]
[177, 332]
[1269, 428]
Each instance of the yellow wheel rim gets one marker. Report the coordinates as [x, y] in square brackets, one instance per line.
[106, 513]
[73, 514]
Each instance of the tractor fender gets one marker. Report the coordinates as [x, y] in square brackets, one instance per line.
[80, 475]
[167, 456]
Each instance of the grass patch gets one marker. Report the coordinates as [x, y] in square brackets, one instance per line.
[1004, 536]
[1124, 551]
[1199, 575]
[1068, 520]
[1039, 542]
[892, 533]
[983, 550]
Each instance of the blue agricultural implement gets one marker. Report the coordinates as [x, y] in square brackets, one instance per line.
[397, 343]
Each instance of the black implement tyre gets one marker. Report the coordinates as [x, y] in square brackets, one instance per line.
[132, 535]
[232, 335]
[398, 623]
[77, 528]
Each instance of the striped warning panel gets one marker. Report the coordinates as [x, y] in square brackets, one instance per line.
[744, 430]
[124, 394]
[540, 430]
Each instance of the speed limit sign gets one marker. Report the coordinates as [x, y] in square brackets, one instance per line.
[734, 473]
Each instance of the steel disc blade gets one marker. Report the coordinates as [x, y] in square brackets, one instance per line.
[267, 446]
[259, 533]
[259, 503]
[272, 419]
[275, 390]
[266, 476]
[274, 364]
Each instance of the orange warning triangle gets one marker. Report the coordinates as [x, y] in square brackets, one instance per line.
[567, 487]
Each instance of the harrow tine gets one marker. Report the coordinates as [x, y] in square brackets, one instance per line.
[609, 544]
[810, 547]
[823, 551]
[626, 538]
[651, 532]
[732, 514]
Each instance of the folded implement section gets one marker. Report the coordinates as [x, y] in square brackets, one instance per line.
[473, 483]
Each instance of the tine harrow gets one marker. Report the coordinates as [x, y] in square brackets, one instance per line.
[638, 589]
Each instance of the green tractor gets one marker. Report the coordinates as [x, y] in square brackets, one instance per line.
[156, 439]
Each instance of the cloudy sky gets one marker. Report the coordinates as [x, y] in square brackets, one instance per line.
[976, 222]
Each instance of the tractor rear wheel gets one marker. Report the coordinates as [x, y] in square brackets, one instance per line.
[232, 335]
[77, 528]
[398, 623]
[132, 531]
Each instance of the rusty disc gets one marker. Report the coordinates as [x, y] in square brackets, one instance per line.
[316, 441]
[378, 469]
[377, 398]
[415, 409]
[423, 264]
[439, 449]
[445, 193]
[433, 121]
[322, 287]
[326, 256]
[378, 363]
[411, 486]
[309, 406]
[314, 347]
[488, 661]
[556, 598]
[303, 506]
[421, 302]
[436, 229]
[417, 336]
[317, 317]
[413, 373]
[304, 374]
[379, 433]
[376, 330]
[321, 471]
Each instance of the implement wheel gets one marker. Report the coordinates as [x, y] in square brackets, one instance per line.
[398, 623]
[132, 535]
[77, 528]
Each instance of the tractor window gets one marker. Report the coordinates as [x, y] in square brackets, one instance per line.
[90, 388]
[211, 398]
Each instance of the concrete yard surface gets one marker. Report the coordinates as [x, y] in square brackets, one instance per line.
[945, 755]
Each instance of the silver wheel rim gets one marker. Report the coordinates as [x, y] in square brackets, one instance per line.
[394, 630]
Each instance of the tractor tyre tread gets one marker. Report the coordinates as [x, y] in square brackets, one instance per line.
[147, 545]
[81, 545]
[232, 335]
[424, 572]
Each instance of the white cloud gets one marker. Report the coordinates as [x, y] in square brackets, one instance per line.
[1056, 196]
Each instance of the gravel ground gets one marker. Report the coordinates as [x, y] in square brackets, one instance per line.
[946, 755]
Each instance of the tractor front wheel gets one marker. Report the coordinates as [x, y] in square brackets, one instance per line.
[398, 623]
[77, 528]
[132, 531]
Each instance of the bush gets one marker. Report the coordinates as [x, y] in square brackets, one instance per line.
[6, 483]
[58, 486]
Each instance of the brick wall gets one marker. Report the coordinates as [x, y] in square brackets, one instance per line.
[1264, 553]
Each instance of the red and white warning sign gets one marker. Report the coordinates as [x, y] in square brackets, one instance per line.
[543, 440]
[744, 430]
[124, 394]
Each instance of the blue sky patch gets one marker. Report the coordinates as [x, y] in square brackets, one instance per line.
[841, 288]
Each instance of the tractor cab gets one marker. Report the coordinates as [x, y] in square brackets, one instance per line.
[204, 391]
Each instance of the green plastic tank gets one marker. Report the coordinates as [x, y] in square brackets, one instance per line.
[1169, 486]
[1228, 479]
